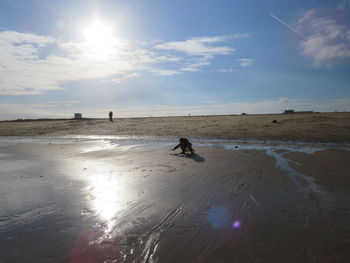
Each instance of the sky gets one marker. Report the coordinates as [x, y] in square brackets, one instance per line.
[169, 58]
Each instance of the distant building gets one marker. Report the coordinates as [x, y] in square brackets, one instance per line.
[78, 116]
[288, 111]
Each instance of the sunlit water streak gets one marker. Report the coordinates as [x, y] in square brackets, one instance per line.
[106, 192]
[159, 141]
[275, 149]
[99, 146]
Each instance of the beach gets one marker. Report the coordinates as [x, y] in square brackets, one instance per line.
[175, 131]
[261, 188]
[132, 199]
[314, 127]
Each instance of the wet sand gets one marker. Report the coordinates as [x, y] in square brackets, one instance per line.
[317, 127]
[116, 200]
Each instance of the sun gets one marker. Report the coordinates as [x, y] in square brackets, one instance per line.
[100, 41]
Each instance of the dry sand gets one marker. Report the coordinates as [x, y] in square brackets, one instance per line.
[95, 201]
[324, 127]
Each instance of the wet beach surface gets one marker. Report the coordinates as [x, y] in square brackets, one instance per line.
[133, 200]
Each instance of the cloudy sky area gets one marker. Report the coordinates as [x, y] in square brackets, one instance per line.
[162, 57]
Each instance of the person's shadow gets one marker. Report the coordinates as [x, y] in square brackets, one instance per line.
[194, 157]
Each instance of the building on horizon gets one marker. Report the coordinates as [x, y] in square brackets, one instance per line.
[78, 116]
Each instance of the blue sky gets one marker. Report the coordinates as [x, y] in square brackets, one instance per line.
[160, 58]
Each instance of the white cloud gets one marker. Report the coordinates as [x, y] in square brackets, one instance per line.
[225, 70]
[245, 62]
[120, 79]
[24, 38]
[343, 4]
[33, 64]
[259, 107]
[60, 103]
[51, 109]
[327, 40]
[165, 72]
[45, 110]
[197, 65]
[210, 102]
[23, 71]
[200, 46]
[203, 49]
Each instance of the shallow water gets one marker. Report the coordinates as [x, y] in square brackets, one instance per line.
[122, 199]
[275, 149]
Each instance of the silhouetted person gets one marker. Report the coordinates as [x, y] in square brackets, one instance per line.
[185, 146]
[110, 116]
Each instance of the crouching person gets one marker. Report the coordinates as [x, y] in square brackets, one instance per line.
[185, 146]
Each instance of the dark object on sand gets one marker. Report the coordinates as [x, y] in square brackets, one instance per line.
[110, 116]
[274, 121]
[78, 116]
[297, 112]
[185, 146]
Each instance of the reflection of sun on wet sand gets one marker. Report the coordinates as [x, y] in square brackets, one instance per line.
[69, 200]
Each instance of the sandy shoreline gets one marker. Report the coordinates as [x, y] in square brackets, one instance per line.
[104, 200]
[320, 127]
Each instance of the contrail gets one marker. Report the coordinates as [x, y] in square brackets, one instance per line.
[290, 27]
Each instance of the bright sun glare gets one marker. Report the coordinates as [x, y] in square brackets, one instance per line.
[100, 41]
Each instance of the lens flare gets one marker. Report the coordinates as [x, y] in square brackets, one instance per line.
[236, 224]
